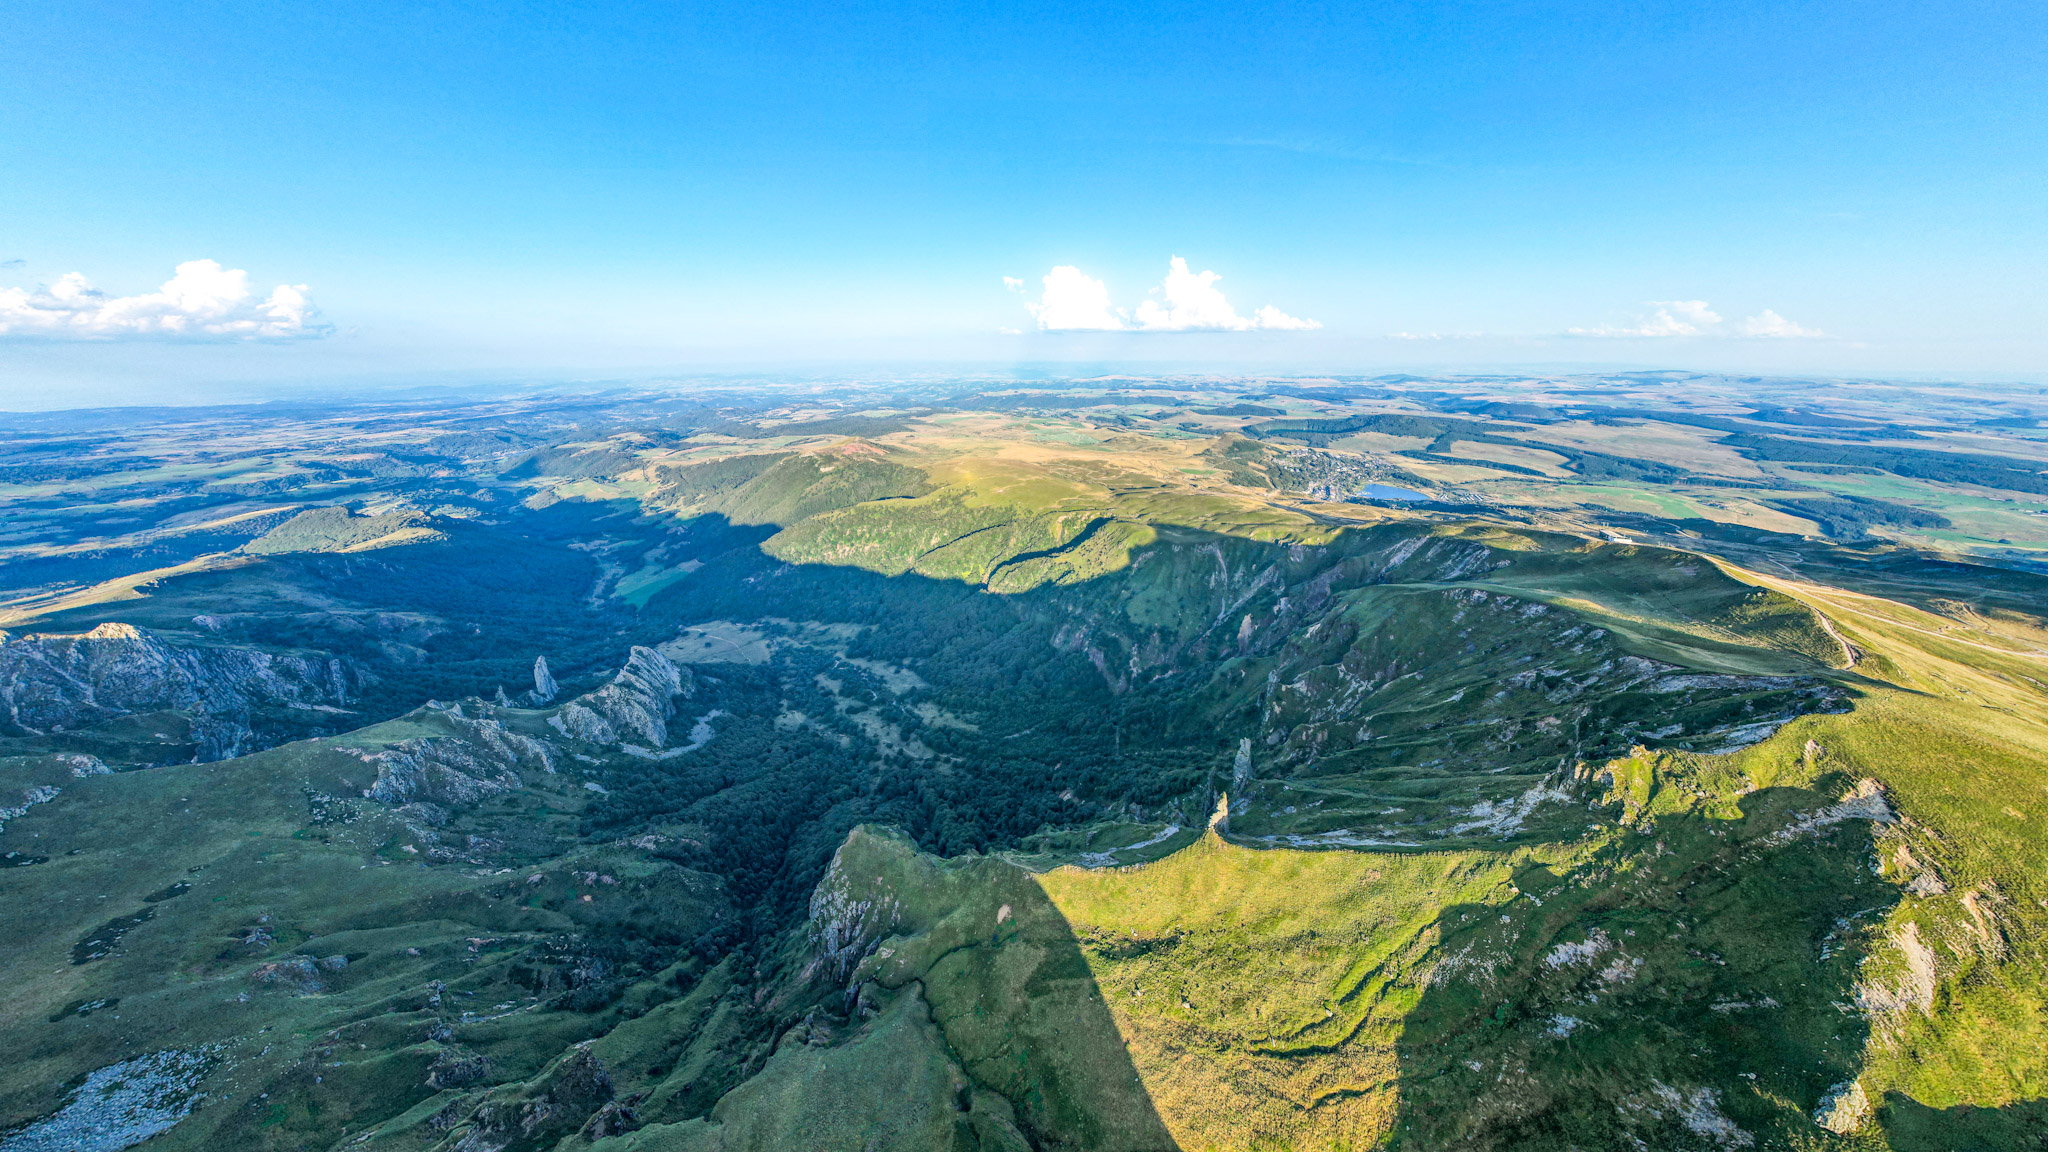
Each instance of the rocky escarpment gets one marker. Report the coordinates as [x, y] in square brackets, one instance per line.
[478, 757]
[472, 754]
[51, 683]
[636, 707]
[571, 1094]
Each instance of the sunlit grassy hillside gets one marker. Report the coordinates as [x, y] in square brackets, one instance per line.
[997, 779]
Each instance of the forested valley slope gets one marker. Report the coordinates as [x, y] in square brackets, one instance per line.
[1203, 767]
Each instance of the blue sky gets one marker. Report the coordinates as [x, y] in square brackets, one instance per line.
[609, 186]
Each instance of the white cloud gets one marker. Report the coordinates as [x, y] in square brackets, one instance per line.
[1696, 318]
[1193, 304]
[1076, 302]
[1672, 318]
[1013, 284]
[201, 301]
[1769, 324]
[1273, 319]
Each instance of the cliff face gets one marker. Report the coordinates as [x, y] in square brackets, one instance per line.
[636, 707]
[477, 758]
[472, 755]
[53, 683]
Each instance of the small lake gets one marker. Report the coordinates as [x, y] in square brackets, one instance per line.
[1389, 492]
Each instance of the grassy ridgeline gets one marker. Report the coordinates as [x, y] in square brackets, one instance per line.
[1574, 923]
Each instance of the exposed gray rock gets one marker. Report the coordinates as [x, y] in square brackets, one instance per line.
[636, 706]
[1700, 1111]
[299, 973]
[83, 765]
[544, 686]
[539, 1114]
[119, 1106]
[454, 1068]
[55, 683]
[616, 1118]
[844, 928]
[1899, 979]
[41, 794]
[1844, 1110]
[1866, 801]
[478, 758]
[580, 723]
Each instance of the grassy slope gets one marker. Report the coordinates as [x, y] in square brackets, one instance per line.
[1278, 998]
[1205, 958]
[1223, 996]
[1961, 743]
[1743, 915]
[1262, 991]
[261, 843]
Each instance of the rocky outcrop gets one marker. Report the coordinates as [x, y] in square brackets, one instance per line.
[537, 1115]
[1866, 801]
[637, 706]
[478, 758]
[121, 1105]
[42, 794]
[544, 687]
[1844, 1110]
[844, 927]
[301, 974]
[456, 1068]
[53, 683]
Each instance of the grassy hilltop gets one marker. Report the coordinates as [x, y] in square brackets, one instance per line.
[1118, 770]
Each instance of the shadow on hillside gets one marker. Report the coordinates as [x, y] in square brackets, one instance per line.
[1080, 699]
[1023, 1014]
[1874, 566]
[435, 620]
[1914, 1127]
[1720, 966]
[1071, 690]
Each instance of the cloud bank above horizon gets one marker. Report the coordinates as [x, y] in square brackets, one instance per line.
[1672, 319]
[1074, 301]
[1696, 318]
[201, 301]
